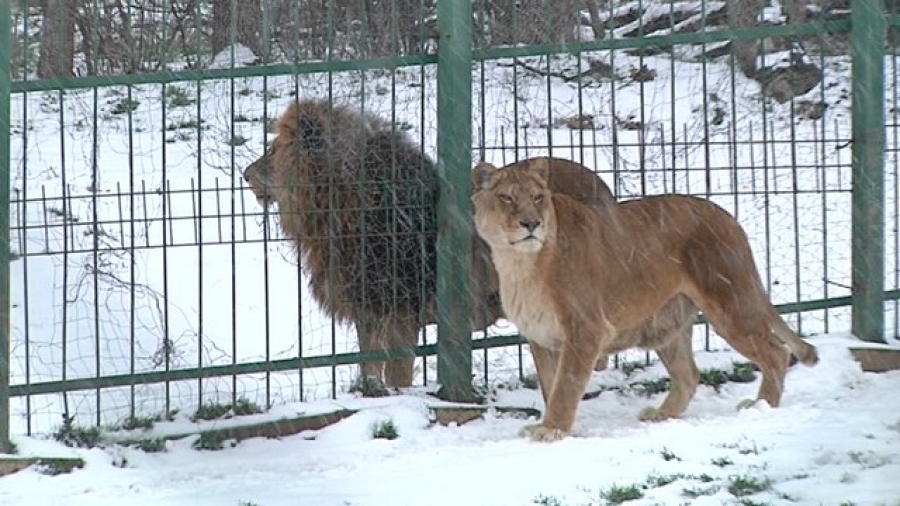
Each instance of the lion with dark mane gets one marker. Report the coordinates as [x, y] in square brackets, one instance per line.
[358, 200]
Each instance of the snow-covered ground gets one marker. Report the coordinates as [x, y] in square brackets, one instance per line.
[835, 440]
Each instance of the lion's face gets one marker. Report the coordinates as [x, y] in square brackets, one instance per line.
[259, 176]
[512, 206]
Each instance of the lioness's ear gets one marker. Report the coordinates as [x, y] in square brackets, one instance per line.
[481, 176]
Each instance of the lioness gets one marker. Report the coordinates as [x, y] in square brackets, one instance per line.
[572, 277]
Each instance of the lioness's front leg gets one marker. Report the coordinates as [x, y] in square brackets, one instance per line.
[576, 364]
[545, 360]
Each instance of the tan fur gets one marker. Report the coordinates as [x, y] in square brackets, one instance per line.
[575, 279]
[313, 170]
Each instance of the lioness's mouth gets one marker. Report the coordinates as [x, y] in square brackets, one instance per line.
[530, 237]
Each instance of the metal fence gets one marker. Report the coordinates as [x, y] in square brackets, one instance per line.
[143, 277]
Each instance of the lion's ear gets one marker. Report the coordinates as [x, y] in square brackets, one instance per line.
[481, 176]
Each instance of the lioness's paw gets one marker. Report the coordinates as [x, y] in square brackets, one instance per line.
[751, 403]
[651, 414]
[746, 403]
[538, 432]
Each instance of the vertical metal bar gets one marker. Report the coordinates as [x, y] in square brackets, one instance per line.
[454, 119]
[867, 53]
[166, 226]
[5, 82]
[199, 218]
[22, 220]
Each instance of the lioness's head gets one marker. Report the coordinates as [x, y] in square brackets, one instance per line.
[259, 176]
[512, 205]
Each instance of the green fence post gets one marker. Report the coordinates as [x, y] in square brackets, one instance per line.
[454, 125]
[5, 86]
[867, 53]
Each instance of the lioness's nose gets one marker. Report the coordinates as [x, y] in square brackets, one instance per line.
[247, 176]
[530, 225]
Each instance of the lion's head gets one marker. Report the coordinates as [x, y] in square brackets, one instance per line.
[512, 206]
[259, 176]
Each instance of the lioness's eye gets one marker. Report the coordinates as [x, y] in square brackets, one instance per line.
[506, 199]
[538, 198]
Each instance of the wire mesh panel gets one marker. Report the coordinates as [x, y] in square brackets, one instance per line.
[760, 125]
[145, 266]
[222, 201]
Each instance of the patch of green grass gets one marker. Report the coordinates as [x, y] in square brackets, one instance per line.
[186, 123]
[545, 500]
[154, 445]
[722, 462]
[744, 448]
[385, 429]
[243, 406]
[74, 435]
[208, 441]
[617, 494]
[705, 478]
[630, 367]
[214, 410]
[125, 106]
[652, 387]
[238, 140]
[668, 456]
[749, 450]
[695, 492]
[661, 480]
[140, 422]
[56, 467]
[178, 97]
[751, 502]
[740, 372]
[531, 381]
[713, 377]
[211, 411]
[740, 486]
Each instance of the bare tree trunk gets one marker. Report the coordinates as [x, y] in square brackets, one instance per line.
[743, 14]
[248, 25]
[795, 10]
[533, 21]
[594, 12]
[57, 50]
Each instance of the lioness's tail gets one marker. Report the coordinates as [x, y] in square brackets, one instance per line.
[805, 352]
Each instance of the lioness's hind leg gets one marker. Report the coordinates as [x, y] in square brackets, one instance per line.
[770, 355]
[677, 355]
